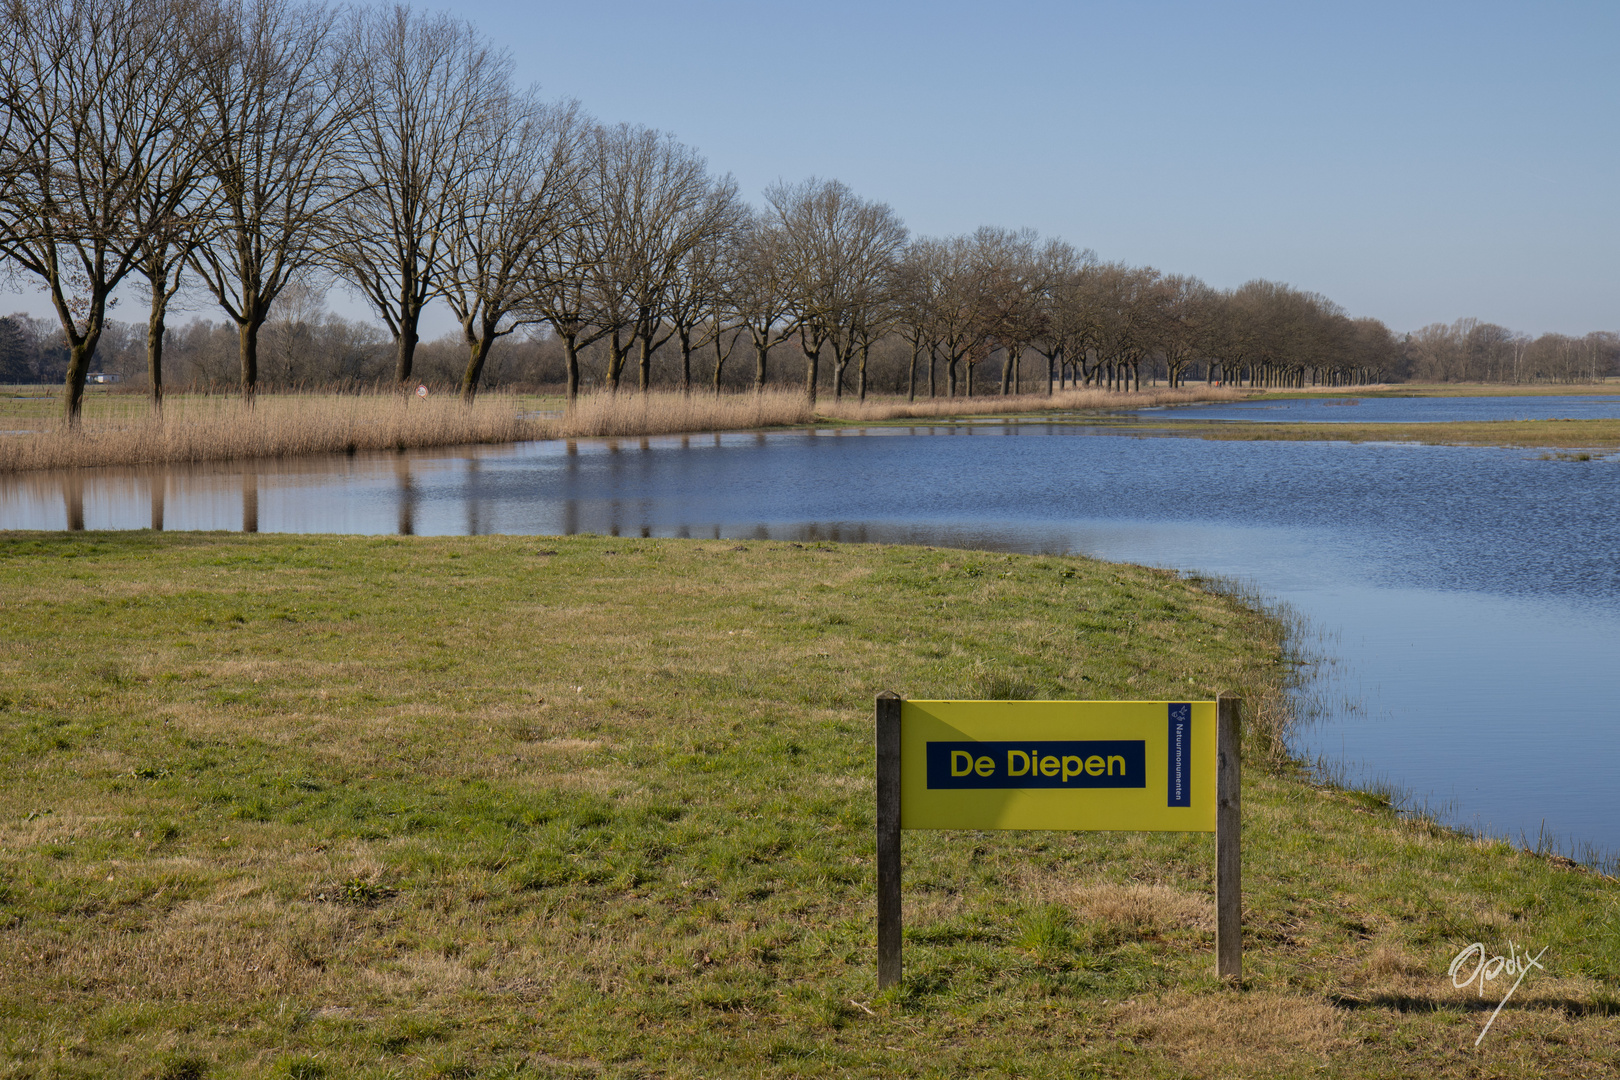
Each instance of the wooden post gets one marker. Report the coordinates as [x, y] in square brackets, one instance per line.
[1228, 838]
[888, 838]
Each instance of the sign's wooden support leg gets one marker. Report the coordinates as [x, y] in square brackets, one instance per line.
[888, 839]
[1228, 838]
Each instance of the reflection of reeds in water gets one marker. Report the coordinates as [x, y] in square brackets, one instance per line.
[194, 429]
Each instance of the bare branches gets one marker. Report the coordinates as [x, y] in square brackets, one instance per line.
[91, 98]
[277, 107]
[426, 83]
[839, 252]
[517, 205]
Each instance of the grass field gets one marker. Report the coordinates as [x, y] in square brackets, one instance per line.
[292, 806]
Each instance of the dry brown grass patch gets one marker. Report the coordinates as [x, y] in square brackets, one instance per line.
[1388, 961]
[1238, 1034]
[875, 409]
[1144, 907]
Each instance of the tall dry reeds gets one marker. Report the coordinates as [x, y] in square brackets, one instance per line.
[194, 429]
[202, 428]
[666, 413]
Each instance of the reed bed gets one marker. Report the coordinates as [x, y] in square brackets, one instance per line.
[1090, 400]
[206, 428]
[294, 425]
[669, 413]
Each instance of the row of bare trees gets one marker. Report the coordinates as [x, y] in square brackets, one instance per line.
[1473, 351]
[242, 148]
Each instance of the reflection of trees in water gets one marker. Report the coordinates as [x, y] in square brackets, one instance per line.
[407, 495]
[250, 501]
[73, 500]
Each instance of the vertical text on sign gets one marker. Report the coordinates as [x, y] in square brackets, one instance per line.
[1180, 786]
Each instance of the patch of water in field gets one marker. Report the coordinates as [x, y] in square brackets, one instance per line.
[1396, 410]
[1471, 595]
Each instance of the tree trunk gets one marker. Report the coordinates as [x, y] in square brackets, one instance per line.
[154, 344]
[864, 348]
[762, 354]
[571, 360]
[950, 377]
[686, 363]
[78, 367]
[1007, 362]
[247, 333]
[644, 374]
[911, 376]
[477, 353]
[812, 372]
[616, 357]
[405, 347]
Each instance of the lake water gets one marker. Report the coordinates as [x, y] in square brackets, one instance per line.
[1395, 410]
[1470, 595]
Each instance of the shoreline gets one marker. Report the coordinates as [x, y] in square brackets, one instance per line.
[288, 427]
[196, 430]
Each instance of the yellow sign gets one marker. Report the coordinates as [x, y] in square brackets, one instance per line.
[1127, 765]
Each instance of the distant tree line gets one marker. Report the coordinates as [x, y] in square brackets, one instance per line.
[248, 151]
[1471, 351]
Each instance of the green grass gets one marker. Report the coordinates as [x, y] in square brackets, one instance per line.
[307, 806]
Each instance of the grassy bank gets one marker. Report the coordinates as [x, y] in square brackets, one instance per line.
[876, 409]
[307, 806]
[119, 429]
[1417, 389]
[1584, 434]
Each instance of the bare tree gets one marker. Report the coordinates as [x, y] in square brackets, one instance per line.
[960, 328]
[424, 83]
[563, 292]
[1012, 281]
[175, 199]
[695, 294]
[838, 250]
[868, 296]
[515, 206]
[917, 286]
[278, 100]
[610, 243]
[759, 291]
[650, 205]
[1061, 318]
[91, 93]
[1186, 310]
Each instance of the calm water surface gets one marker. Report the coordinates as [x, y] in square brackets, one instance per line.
[1470, 595]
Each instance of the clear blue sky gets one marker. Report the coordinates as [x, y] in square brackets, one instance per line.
[1417, 162]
